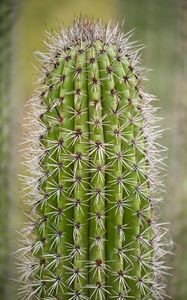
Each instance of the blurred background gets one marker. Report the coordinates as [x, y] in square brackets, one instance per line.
[161, 25]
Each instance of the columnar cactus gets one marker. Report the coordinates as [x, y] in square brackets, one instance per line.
[94, 163]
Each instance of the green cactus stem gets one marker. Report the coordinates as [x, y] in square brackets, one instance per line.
[94, 162]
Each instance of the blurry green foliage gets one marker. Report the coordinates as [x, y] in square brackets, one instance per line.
[6, 20]
[178, 197]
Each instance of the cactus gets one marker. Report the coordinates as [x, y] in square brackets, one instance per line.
[94, 163]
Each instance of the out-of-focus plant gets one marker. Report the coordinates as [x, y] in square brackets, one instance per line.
[177, 283]
[4, 138]
[7, 16]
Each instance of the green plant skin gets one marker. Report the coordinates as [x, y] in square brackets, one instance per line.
[93, 234]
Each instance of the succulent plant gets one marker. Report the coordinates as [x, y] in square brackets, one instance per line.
[94, 163]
